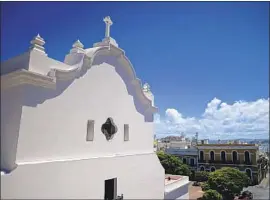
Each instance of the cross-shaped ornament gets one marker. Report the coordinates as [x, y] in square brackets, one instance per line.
[108, 23]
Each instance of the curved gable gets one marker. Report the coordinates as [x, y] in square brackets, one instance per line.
[125, 69]
[117, 58]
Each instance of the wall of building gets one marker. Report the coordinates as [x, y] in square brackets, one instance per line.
[177, 189]
[84, 179]
[54, 158]
[240, 152]
[11, 110]
[242, 166]
[54, 122]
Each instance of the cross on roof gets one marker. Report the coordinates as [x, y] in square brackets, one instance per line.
[108, 23]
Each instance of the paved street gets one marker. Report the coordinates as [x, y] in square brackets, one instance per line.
[260, 191]
[195, 192]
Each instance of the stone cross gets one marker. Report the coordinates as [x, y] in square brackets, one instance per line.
[108, 23]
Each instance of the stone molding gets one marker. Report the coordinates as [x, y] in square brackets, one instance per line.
[22, 76]
[227, 147]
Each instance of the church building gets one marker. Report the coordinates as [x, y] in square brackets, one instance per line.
[78, 129]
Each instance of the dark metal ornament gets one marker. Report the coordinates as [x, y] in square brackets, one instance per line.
[109, 128]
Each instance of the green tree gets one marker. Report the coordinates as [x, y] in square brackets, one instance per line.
[172, 164]
[205, 186]
[201, 176]
[228, 182]
[211, 195]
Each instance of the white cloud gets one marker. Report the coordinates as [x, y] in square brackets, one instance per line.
[219, 121]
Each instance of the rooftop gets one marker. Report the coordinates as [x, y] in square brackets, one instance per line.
[172, 178]
[173, 182]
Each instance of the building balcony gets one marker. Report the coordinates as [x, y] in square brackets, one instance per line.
[202, 161]
[235, 162]
[248, 162]
[218, 161]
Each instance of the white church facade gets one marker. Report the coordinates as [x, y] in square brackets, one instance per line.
[70, 130]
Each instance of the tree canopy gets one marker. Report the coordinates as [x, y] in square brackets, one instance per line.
[172, 164]
[228, 182]
[211, 195]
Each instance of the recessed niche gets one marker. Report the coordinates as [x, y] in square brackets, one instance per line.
[126, 132]
[90, 130]
[109, 128]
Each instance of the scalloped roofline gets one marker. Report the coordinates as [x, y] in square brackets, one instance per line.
[23, 76]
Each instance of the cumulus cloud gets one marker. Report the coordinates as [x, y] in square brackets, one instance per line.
[219, 121]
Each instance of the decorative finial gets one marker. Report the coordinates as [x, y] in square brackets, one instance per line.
[77, 47]
[146, 87]
[108, 23]
[78, 44]
[37, 44]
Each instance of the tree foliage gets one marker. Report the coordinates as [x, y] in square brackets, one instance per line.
[263, 161]
[228, 182]
[172, 164]
[201, 176]
[205, 186]
[211, 195]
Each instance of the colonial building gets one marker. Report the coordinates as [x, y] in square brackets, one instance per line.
[188, 156]
[241, 156]
[70, 130]
[174, 142]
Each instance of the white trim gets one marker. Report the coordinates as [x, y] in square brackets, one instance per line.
[185, 159]
[251, 173]
[225, 155]
[227, 147]
[248, 155]
[237, 157]
[200, 154]
[212, 167]
[228, 164]
[23, 76]
[82, 158]
[202, 167]
[210, 154]
[193, 161]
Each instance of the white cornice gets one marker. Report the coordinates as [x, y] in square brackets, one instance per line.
[26, 77]
[23, 76]
[87, 62]
[85, 158]
[226, 147]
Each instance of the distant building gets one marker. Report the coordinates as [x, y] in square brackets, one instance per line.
[180, 144]
[188, 156]
[205, 141]
[241, 156]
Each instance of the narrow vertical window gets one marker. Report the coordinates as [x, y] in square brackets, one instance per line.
[126, 132]
[90, 130]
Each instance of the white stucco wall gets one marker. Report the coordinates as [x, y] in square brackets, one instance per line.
[60, 122]
[52, 128]
[177, 189]
[137, 178]
[11, 109]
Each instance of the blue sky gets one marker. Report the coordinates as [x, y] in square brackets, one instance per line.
[193, 54]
